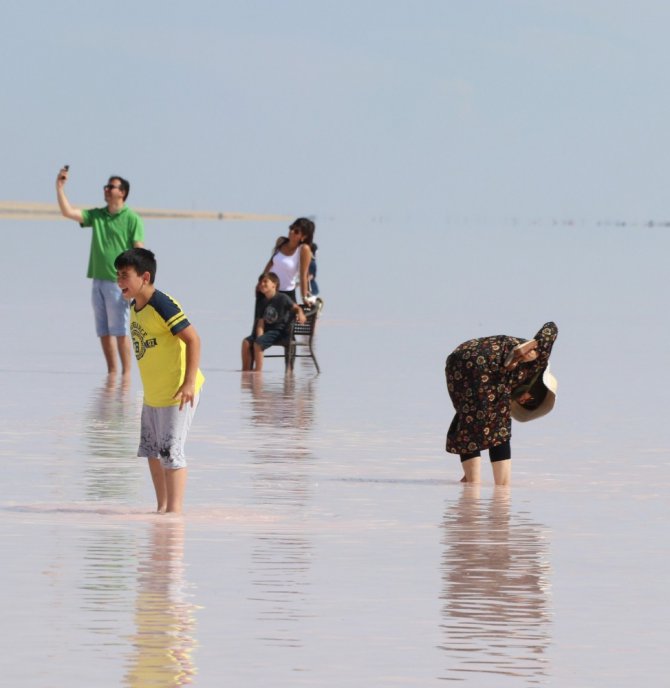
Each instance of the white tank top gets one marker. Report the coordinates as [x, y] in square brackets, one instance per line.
[287, 269]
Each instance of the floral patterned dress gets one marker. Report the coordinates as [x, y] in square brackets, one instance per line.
[481, 389]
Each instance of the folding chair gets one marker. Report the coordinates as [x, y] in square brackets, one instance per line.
[301, 336]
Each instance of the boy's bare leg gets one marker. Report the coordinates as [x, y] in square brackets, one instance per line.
[246, 355]
[160, 484]
[175, 479]
[123, 345]
[258, 357]
[472, 469]
[502, 472]
[108, 344]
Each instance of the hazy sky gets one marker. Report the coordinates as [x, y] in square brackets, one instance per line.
[427, 108]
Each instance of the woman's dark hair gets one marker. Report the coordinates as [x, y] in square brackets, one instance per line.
[140, 259]
[306, 228]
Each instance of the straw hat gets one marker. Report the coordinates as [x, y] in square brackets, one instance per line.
[523, 414]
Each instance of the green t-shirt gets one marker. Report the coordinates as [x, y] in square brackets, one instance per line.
[111, 235]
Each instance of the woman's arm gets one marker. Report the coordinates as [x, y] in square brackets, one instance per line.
[278, 244]
[305, 260]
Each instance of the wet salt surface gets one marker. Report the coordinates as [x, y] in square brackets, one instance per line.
[327, 541]
[302, 561]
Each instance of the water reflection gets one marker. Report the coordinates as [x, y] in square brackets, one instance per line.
[496, 616]
[111, 433]
[286, 403]
[281, 413]
[165, 619]
[107, 583]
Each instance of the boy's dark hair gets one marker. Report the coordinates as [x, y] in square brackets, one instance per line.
[272, 276]
[140, 259]
[123, 183]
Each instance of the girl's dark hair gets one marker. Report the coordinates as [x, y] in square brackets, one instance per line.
[140, 259]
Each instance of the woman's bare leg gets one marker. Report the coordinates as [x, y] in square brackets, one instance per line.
[502, 471]
[472, 470]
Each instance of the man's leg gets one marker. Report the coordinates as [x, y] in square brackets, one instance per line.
[125, 354]
[160, 484]
[118, 324]
[100, 315]
[109, 350]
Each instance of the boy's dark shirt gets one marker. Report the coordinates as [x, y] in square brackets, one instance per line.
[276, 312]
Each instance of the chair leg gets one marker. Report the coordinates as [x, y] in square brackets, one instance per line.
[311, 353]
[290, 355]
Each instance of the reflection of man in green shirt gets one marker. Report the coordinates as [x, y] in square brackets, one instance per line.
[115, 229]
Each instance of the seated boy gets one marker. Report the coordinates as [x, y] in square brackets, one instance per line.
[167, 348]
[271, 327]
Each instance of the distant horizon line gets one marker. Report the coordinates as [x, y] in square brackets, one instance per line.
[29, 210]
[12, 210]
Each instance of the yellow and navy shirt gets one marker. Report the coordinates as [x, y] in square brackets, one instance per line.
[160, 354]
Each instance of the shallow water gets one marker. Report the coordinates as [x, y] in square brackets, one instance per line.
[327, 541]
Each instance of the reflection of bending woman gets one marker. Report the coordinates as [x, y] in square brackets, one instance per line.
[490, 380]
[496, 583]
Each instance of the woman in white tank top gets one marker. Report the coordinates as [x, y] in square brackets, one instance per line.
[291, 259]
[290, 262]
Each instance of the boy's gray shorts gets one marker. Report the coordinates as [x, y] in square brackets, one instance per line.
[163, 433]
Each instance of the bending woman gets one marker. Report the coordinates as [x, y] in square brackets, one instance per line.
[490, 381]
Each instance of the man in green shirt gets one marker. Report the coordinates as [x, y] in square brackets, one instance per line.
[115, 229]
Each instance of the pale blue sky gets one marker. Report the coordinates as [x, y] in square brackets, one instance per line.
[375, 107]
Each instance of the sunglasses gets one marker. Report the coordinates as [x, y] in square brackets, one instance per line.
[109, 187]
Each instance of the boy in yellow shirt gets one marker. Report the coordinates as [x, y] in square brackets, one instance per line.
[167, 348]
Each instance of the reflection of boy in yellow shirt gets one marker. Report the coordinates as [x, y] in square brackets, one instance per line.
[162, 648]
[167, 348]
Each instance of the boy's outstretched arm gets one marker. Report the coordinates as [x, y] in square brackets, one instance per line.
[186, 393]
